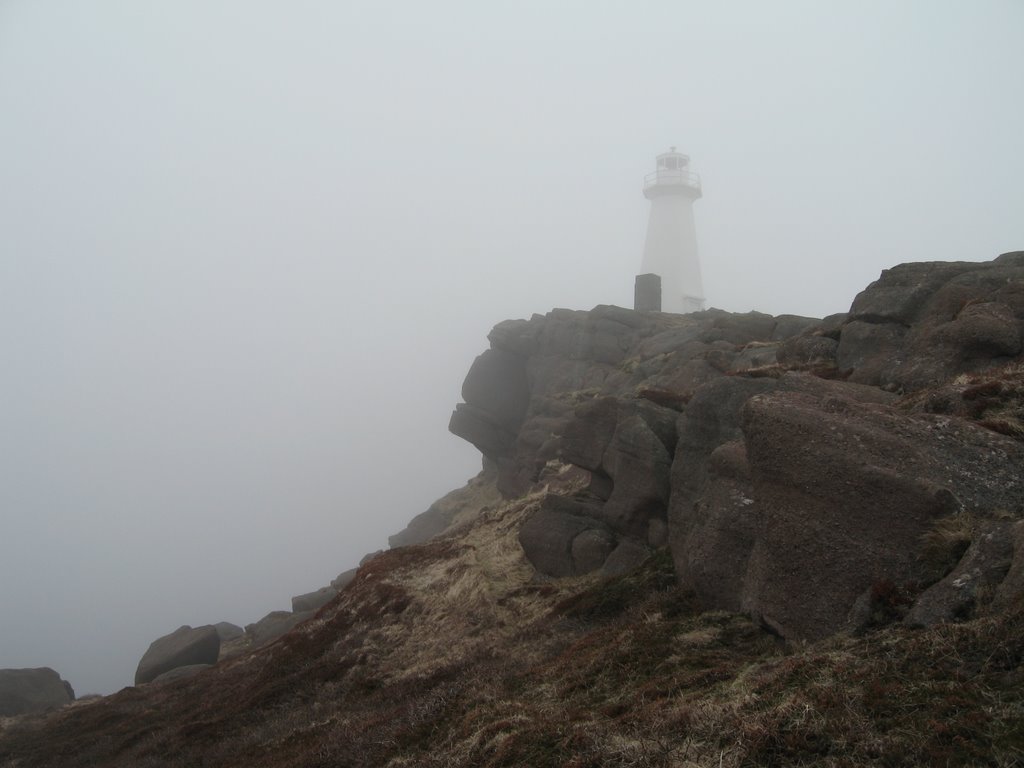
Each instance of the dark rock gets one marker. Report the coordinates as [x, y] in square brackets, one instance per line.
[313, 601]
[477, 427]
[234, 647]
[900, 294]
[755, 355]
[344, 578]
[639, 464]
[519, 337]
[273, 625]
[496, 385]
[978, 573]
[685, 374]
[832, 325]
[870, 351]
[673, 340]
[1012, 587]
[709, 524]
[919, 325]
[987, 329]
[722, 530]
[590, 549]
[626, 557]
[370, 556]
[844, 491]
[657, 533]
[180, 673]
[25, 691]
[181, 648]
[423, 527]
[1011, 259]
[547, 539]
[227, 631]
[629, 442]
[587, 435]
[808, 350]
[738, 329]
[711, 419]
[787, 326]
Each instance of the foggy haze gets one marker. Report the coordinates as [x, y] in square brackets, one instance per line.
[248, 251]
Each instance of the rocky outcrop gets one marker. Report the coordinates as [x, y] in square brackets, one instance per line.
[183, 647]
[273, 625]
[921, 324]
[227, 631]
[712, 514]
[843, 494]
[601, 391]
[344, 578]
[560, 539]
[771, 453]
[313, 601]
[24, 691]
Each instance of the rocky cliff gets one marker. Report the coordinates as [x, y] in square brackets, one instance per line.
[709, 539]
[792, 465]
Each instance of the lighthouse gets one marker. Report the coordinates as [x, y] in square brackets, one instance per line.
[670, 251]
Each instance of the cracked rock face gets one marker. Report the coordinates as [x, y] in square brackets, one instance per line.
[921, 324]
[844, 493]
[769, 452]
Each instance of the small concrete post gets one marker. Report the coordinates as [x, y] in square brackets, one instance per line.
[647, 293]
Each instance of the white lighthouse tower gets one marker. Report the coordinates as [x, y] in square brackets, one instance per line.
[670, 250]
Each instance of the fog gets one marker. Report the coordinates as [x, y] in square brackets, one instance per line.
[248, 250]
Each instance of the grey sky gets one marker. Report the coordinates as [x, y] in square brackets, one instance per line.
[248, 250]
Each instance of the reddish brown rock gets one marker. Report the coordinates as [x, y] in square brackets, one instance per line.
[24, 691]
[183, 647]
[919, 325]
[843, 494]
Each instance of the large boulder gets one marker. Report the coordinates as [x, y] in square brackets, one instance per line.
[720, 530]
[183, 647]
[562, 539]
[313, 601]
[228, 631]
[629, 441]
[919, 325]
[711, 509]
[24, 691]
[638, 461]
[844, 492]
[274, 625]
[496, 398]
[344, 578]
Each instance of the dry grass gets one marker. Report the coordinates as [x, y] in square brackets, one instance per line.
[453, 654]
[944, 544]
[993, 398]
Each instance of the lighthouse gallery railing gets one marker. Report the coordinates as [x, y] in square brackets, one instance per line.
[684, 178]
